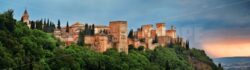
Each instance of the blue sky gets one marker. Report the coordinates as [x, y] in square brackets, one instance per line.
[203, 22]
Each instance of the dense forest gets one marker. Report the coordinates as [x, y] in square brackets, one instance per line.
[22, 48]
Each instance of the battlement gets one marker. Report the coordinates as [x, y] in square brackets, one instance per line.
[114, 22]
[160, 25]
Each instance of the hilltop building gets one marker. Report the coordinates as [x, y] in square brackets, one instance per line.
[115, 35]
[118, 30]
[104, 37]
[160, 29]
[150, 38]
[25, 18]
[98, 42]
[172, 32]
[101, 28]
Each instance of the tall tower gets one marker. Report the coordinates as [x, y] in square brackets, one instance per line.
[25, 18]
[160, 29]
[172, 32]
[146, 30]
[119, 30]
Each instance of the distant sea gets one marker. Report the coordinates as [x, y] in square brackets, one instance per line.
[234, 63]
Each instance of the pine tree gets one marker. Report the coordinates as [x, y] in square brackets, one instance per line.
[67, 27]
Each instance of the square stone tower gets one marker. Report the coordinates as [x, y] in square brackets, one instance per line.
[160, 29]
[146, 30]
[172, 32]
[119, 31]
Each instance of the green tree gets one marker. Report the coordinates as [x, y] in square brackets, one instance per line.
[81, 36]
[58, 24]
[131, 34]
[220, 67]
[93, 29]
[155, 40]
[131, 47]
[32, 23]
[187, 45]
[5, 58]
[7, 21]
[141, 48]
[67, 27]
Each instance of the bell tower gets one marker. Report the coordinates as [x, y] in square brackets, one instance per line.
[25, 18]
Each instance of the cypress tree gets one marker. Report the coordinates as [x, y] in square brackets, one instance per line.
[53, 27]
[155, 39]
[167, 65]
[58, 24]
[67, 27]
[131, 34]
[50, 26]
[93, 29]
[32, 25]
[44, 21]
[187, 44]
[220, 67]
[81, 38]
[86, 29]
[89, 30]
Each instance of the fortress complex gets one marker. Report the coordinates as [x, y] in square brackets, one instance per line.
[151, 38]
[100, 37]
[115, 35]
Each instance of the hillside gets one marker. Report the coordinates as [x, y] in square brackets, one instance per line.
[22, 48]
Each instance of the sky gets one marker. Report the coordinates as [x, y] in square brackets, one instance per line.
[220, 27]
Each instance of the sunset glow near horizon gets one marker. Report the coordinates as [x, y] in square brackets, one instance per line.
[227, 48]
[220, 27]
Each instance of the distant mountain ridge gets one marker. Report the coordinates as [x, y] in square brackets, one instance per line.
[232, 59]
[234, 63]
